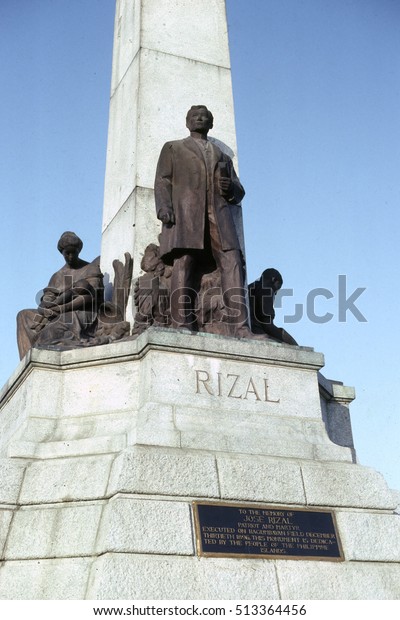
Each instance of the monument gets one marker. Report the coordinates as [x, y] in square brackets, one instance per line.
[179, 463]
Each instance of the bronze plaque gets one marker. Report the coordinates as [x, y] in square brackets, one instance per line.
[256, 531]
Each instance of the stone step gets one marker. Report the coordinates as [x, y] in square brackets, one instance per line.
[126, 576]
[160, 527]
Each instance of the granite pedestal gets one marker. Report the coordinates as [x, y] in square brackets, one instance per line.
[104, 449]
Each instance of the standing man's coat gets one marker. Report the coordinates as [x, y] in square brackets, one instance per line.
[181, 187]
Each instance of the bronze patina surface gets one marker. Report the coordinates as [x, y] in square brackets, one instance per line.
[195, 186]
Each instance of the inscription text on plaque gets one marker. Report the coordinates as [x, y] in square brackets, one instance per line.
[244, 530]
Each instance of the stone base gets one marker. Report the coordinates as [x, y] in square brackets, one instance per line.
[122, 576]
[104, 450]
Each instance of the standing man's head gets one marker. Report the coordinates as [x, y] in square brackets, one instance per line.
[199, 119]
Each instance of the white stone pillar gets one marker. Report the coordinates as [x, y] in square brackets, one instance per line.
[168, 55]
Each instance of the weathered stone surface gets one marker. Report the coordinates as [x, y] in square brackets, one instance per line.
[255, 432]
[237, 386]
[121, 234]
[256, 351]
[39, 429]
[63, 579]
[160, 18]
[338, 581]
[339, 424]
[396, 496]
[165, 472]
[124, 576]
[156, 426]
[146, 526]
[11, 475]
[65, 480]
[5, 520]
[28, 399]
[260, 479]
[370, 537]
[13, 413]
[99, 407]
[332, 452]
[127, 43]
[60, 449]
[100, 389]
[39, 383]
[53, 532]
[345, 485]
[250, 443]
[123, 109]
[19, 400]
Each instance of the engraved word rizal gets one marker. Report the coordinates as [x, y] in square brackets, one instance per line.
[233, 385]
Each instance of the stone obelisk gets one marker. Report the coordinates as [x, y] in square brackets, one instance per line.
[167, 56]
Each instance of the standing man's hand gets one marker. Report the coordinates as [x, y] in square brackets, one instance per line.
[225, 186]
[167, 217]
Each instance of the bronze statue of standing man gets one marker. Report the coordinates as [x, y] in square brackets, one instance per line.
[195, 186]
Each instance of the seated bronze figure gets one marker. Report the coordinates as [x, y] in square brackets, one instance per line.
[261, 300]
[67, 313]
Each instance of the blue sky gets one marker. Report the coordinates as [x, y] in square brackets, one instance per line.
[317, 104]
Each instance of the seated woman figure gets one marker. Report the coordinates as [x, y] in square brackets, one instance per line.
[67, 314]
